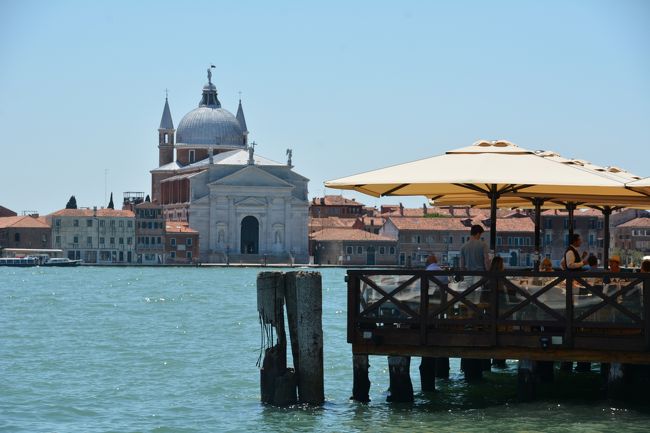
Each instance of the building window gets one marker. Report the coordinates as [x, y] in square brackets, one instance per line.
[392, 250]
[75, 223]
[58, 240]
[17, 237]
[101, 223]
[102, 241]
[128, 241]
[57, 222]
[348, 250]
[189, 255]
[382, 250]
[89, 223]
[172, 242]
[359, 250]
[172, 254]
[89, 241]
[75, 239]
[188, 242]
[159, 239]
[192, 156]
[112, 223]
[121, 223]
[121, 241]
[112, 241]
[129, 224]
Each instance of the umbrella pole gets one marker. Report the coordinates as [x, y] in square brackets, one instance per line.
[607, 211]
[538, 222]
[570, 207]
[494, 195]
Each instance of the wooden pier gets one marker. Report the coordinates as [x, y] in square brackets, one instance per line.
[530, 316]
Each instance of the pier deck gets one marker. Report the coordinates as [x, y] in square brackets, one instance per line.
[556, 316]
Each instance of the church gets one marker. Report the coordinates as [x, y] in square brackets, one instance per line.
[246, 208]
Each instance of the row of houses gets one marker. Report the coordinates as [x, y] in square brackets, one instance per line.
[138, 233]
[353, 234]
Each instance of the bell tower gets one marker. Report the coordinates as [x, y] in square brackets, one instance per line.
[166, 133]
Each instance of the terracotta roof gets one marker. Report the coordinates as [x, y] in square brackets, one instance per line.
[334, 200]
[178, 227]
[373, 221]
[148, 205]
[25, 221]
[115, 213]
[576, 214]
[333, 222]
[348, 235]
[405, 223]
[7, 212]
[637, 222]
[515, 225]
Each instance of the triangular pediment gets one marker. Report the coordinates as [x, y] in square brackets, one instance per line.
[251, 201]
[252, 176]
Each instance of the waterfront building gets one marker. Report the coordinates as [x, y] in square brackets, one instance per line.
[335, 206]
[588, 223]
[149, 233]
[181, 243]
[632, 240]
[94, 235]
[28, 231]
[336, 246]
[244, 206]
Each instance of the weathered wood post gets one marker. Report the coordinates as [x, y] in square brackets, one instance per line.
[361, 382]
[546, 371]
[526, 380]
[442, 368]
[472, 368]
[615, 380]
[428, 374]
[401, 388]
[583, 367]
[277, 383]
[305, 313]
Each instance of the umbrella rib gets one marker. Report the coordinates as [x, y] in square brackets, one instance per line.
[392, 190]
[472, 187]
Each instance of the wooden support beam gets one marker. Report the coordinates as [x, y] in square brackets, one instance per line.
[401, 388]
[361, 382]
[526, 380]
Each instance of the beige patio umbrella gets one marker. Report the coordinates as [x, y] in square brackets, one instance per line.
[490, 169]
[642, 186]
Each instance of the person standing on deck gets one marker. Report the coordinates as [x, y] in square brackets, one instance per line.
[474, 254]
[572, 259]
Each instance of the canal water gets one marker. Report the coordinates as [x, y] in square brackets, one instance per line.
[93, 349]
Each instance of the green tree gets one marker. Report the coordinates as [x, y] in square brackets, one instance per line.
[72, 203]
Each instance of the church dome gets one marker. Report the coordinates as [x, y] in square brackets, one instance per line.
[209, 125]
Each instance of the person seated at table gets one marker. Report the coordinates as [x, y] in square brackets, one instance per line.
[645, 266]
[592, 261]
[546, 265]
[572, 260]
[614, 267]
[497, 265]
[432, 265]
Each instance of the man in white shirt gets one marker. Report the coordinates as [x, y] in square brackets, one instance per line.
[572, 258]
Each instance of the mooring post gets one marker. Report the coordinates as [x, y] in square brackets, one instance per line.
[583, 367]
[277, 383]
[545, 371]
[306, 320]
[360, 381]
[526, 380]
[401, 388]
[472, 368]
[615, 380]
[428, 374]
[442, 368]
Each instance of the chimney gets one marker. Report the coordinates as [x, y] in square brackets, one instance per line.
[322, 201]
[424, 208]
[401, 209]
[469, 214]
[94, 211]
[451, 210]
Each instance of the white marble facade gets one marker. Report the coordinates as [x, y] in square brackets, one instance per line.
[225, 194]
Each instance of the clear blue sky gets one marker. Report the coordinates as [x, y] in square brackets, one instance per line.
[349, 86]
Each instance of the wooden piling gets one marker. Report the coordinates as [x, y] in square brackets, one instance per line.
[428, 374]
[526, 380]
[545, 371]
[360, 381]
[401, 388]
[583, 367]
[499, 363]
[566, 367]
[616, 380]
[442, 368]
[472, 368]
[305, 322]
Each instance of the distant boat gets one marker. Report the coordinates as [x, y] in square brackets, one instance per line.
[61, 262]
[19, 261]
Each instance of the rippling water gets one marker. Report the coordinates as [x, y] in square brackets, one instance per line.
[174, 350]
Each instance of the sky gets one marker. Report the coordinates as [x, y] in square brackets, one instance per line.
[349, 86]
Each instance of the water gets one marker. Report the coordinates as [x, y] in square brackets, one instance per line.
[174, 350]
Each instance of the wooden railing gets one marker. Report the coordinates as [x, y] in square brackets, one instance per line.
[588, 314]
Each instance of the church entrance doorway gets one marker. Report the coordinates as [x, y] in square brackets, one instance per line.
[250, 231]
